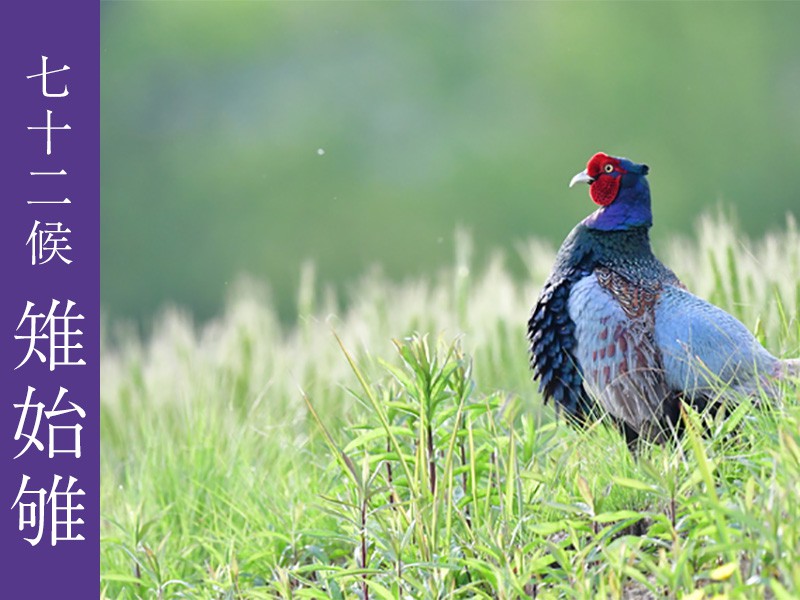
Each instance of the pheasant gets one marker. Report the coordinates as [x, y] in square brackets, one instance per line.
[613, 326]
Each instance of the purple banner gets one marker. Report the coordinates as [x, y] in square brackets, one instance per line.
[50, 305]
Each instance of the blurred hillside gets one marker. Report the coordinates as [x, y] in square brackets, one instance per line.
[244, 137]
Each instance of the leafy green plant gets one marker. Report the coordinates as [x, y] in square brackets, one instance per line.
[244, 459]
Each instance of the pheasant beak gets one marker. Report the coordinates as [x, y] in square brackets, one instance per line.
[582, 177]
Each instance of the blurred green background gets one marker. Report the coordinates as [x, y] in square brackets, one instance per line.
[249, 137]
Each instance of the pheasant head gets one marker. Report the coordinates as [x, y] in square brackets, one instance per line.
[619, 186]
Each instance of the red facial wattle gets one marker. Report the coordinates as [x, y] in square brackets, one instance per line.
[605, 188]
[607, 174]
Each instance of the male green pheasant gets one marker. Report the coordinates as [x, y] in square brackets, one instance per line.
[613, 326]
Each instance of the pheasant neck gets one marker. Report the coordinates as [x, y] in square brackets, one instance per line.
[630, 209]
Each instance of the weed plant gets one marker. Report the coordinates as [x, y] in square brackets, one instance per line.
[398, 449]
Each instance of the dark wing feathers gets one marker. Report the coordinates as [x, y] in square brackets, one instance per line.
[551, 334]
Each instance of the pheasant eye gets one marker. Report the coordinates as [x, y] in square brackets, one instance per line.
[608, 168]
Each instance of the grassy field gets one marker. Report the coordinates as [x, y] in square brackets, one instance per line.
[398, 449]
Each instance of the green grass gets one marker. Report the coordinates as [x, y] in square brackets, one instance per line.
[398, 449]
